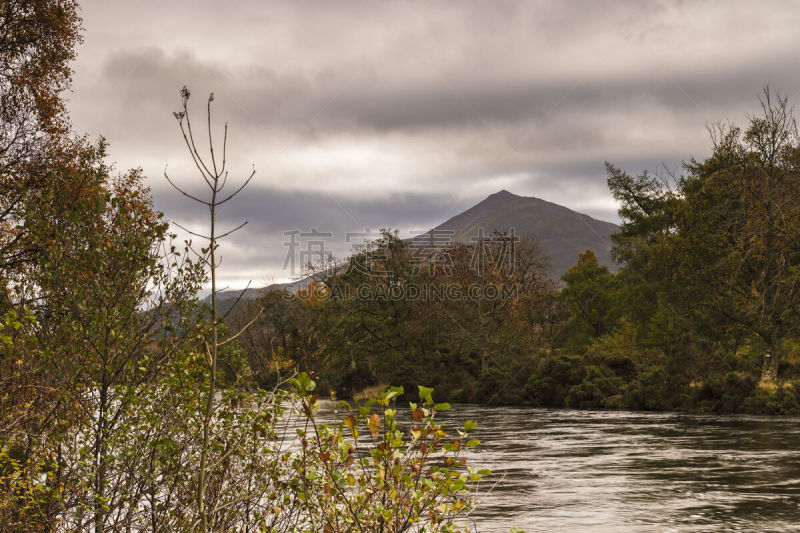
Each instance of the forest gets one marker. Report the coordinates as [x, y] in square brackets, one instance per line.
[702, 314]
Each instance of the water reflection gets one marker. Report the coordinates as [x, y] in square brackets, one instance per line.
[621, 471]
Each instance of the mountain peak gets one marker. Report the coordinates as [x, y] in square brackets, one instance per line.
[502, 194]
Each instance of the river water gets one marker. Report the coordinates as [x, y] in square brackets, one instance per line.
[598, 471]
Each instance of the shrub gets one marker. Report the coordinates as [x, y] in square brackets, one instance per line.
[550, 384]
[723, 393]
[367, 473]
[598, 385]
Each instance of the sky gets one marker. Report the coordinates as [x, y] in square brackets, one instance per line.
[361, 115]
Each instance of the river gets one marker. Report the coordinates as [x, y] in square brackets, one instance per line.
[570, 470]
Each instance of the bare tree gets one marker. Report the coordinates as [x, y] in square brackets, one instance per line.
[216, 177]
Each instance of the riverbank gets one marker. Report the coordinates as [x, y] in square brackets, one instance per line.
[732, 393]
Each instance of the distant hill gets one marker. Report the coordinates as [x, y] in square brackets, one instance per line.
[256, 292]
[562, 232]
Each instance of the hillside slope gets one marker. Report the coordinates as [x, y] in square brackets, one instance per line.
[562, 232]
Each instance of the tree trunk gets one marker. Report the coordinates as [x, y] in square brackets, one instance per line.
[772, 359]
[100, 463]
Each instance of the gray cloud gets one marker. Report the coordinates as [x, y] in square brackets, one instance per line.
[271, 213]
[276, 210]
[353, 100]
[402, 113]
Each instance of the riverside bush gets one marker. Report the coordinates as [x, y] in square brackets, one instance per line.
[273, 466]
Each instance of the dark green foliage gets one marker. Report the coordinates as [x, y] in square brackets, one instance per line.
[784, 400]
[506, 385]
[708, 284]
[354, 335]
[589, 294]
[551, 383]
[723, 393]
[651, 391]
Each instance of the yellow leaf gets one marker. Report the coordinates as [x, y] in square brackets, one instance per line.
[374, 425]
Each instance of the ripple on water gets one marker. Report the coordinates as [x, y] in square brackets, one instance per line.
[599, 471]
[571, 470]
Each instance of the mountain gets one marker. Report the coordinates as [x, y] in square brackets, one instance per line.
[562, 232]
[256, 292]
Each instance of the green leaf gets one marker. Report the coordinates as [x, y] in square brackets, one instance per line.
[425, 394]
[303, 382]
[393, 392]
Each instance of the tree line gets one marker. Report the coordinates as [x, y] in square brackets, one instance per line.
[701, 315]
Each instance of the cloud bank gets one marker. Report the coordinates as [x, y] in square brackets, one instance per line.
[400, 114]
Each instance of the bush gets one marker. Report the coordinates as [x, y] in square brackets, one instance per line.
[784, 400]
[506, 385]
[550, 384]
[273, 466]
[366, 473]
[596, 389]
[651, 390]
[725, 394]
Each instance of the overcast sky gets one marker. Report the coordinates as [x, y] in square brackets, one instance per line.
[401, 114]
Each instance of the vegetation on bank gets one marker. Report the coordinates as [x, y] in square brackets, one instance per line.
[125, 404]
[701, 316]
